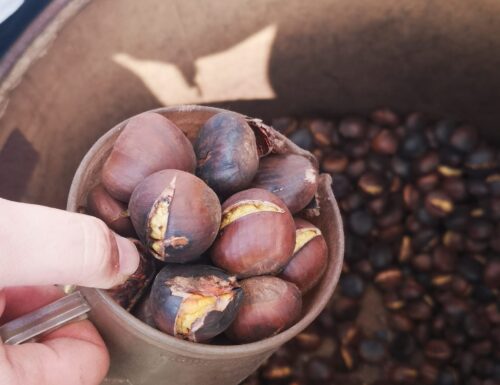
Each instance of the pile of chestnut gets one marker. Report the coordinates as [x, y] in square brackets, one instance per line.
[213, 221]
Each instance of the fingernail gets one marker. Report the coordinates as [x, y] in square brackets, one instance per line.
[129, 256]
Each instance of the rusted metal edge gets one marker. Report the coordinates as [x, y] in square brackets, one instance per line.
[33, 43]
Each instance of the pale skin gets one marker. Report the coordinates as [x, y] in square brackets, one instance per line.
[39, 248]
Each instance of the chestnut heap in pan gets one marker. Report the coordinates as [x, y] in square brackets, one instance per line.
[240, 266]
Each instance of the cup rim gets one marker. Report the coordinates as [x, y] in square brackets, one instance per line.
[162, 339]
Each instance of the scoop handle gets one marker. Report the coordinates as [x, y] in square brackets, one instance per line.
[45, 319]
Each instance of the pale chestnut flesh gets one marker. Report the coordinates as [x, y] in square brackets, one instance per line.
[257, 234]
[175, 214]
[148, 143]
[194, 302]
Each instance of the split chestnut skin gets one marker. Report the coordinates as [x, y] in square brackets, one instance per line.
[194, 302]
[175, 214]
[257, 234]
[309, 258]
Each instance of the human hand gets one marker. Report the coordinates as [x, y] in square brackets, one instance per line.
[40, 246]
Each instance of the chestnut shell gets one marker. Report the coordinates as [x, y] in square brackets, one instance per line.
[193, 218]
[113, 212]
[227, 155]
[143, 312]
[258, 243]
[292, 177]
[148, 143]
[166, 300]
[270, 305]
[128, 294]
[309, 262]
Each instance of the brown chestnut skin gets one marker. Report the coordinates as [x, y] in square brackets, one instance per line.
[142, 311]
[257, 234]
[148, 143]
[226, 153]
[310, 257]
[194, 302]
[129, 293]
[175, 214]
[293, 178]
[270, 305]
[112, 212]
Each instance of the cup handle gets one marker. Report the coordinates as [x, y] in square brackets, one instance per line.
[28, 327]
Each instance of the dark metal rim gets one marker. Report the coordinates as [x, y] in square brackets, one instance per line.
[34, 30]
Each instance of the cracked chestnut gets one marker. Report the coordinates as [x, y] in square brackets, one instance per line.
[226, 152]
[270, 305]
[113, 212]
[148, 143]
[257, 234]
[309, 259]
[293, 178]
[175, 214]
[194, 302]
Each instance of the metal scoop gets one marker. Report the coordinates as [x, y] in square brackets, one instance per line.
[28, 327]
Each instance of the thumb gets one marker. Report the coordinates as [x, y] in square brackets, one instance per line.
[2, 302]
[41, 245]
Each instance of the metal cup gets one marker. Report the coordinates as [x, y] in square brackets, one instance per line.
[142, 355]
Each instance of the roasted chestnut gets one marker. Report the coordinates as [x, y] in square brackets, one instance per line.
[293, 178]
[129, 293]
[142, 311]
[175, 214]
[310, 256]
[270, 305]
[113, 212]
[257, 234]
[148, 143]
[226, 152]
[194, 302]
